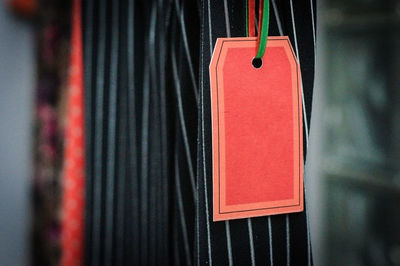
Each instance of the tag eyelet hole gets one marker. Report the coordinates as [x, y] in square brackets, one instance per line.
[257, 62]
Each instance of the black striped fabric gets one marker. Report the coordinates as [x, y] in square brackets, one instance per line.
[148, 135]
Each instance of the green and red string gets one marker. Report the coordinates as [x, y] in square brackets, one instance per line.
[263, 24]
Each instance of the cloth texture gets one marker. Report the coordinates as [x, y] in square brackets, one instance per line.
[148, 135]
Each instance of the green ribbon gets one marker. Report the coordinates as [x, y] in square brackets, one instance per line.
[263, 35]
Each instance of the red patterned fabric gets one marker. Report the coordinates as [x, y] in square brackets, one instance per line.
[74, 161]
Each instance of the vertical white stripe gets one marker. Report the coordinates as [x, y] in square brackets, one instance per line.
[271, 255]
[205, 180]
[305, 122]
[153, 86]
[227, 23]
[312, 21]
[133, 145]
[228, 242]
[209, 26]
[187, 50]
[278, 20]
[294, 29]
[251, 241]
[201, 80]
[111, 137]
[181, 210]
[203, 141]
[287, 240]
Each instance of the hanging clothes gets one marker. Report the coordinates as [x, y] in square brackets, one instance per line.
[272, 240]
[52, 39]
[148, 135]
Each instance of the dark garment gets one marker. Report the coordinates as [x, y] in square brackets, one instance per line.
[148, 116]
[280, 239]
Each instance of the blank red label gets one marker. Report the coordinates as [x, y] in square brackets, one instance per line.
[257, 129]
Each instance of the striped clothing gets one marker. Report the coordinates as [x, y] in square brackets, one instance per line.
[148, 125]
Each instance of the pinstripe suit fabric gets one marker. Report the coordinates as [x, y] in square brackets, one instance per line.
[148, 124]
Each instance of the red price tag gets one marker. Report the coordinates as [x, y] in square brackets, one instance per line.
[257, 129]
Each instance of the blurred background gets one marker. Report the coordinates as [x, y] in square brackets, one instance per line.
[353, 169]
